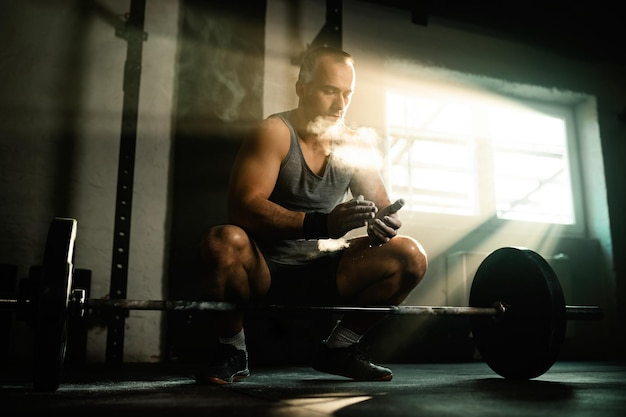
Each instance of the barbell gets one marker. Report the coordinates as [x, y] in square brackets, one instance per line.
[516, 309]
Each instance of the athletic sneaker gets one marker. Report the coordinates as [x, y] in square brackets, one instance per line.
[229, 365]
[350, 362]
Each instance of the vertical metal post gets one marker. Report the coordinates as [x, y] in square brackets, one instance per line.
[330, 34]
[334, 22]
[134, 35]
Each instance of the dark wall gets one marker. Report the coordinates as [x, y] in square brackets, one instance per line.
[220, 92]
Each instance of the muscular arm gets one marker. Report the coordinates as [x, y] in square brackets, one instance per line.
[253, 177]
[252, 180]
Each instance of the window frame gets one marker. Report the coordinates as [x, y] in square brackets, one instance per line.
[550, 104]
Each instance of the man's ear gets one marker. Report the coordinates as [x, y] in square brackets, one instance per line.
[299, 88]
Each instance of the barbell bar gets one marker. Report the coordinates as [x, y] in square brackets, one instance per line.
[498, 310]
[79, 304]
[516, 309]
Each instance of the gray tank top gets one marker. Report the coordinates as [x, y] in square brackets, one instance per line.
[300, 189]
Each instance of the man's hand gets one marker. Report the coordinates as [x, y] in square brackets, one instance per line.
[350, 215]
[385, 225]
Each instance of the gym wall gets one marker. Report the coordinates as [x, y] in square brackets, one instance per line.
[61, 96]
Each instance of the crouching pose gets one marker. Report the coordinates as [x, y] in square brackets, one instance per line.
[296, 189]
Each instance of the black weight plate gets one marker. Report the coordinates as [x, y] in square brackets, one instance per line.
[51, 304]
[525, 342]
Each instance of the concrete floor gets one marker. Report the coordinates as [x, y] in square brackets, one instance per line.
[569, 389]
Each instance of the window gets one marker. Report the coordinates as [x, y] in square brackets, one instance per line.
[457, 154]
[531, 166]
[431, 155]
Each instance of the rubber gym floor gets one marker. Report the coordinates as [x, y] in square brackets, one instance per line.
[586, 388]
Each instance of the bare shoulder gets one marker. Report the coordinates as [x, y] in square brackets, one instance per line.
[270, 133]
[267, 140]
[271, 127]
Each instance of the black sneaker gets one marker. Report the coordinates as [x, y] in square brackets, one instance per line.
[229, 365]
[350, 362]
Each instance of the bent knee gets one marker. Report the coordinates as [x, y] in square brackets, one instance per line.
[414, 260]
[223, 240]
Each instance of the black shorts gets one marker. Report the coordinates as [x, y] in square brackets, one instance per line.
[312, 284]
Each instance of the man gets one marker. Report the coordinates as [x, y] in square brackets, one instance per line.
[288, 196]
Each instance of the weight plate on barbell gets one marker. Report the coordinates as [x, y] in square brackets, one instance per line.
[51, 306]
[525, 341]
